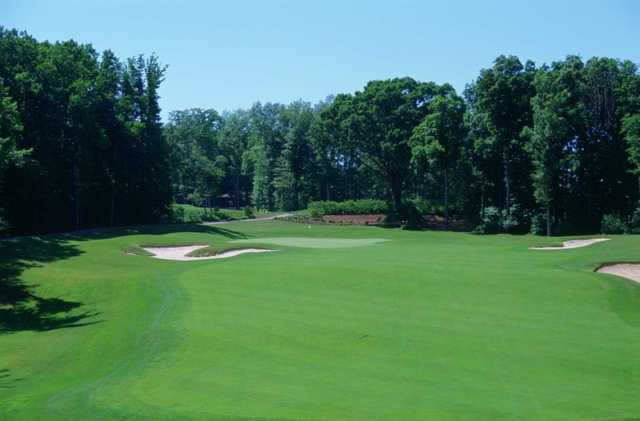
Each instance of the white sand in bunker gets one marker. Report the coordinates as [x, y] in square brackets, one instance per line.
[180, 253]
[573, 244]
[625, 270]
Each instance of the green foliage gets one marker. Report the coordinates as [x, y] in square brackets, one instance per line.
[249, 212]
[436, 142]
[534, 136]
[198, 165]
[348, 207]
[539, 224]
[10, 155]
[411, 216]
[426, 207]
[378, 123]
[233, 143]
[491, 221]
[495, 220]
[613, 224]
[631, 130]
[502, 97]
[510, 224]
[550, 138]
[634, 222]
[187, 214]
[10, 132]
[280, 157]
[556, 110]
[91, 127]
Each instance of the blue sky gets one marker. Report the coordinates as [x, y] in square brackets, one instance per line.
[227, 55]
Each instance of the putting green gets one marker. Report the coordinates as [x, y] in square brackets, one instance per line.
[427, 325]
[315, 243]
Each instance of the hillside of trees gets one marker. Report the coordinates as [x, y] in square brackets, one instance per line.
[553, 148]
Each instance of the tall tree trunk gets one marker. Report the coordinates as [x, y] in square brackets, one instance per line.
[347, 186]
[76, 193]
[548, 219]
[112, 211]
[236, 188]
[36, 220]
[507, 183]
[326, 186]
[396, 195]
[446, 199]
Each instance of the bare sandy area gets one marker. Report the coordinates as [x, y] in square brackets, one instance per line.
[625, 270]
[573, 244]
[180, 253]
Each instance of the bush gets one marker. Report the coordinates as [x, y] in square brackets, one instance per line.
[539, 224]
[613, 224]
[426, 207]
[491, 221]
[249, 212]
[495, 221]
[411, 217]
[634, 222]
[510, 223]
[348, 207]
[195, 199]
[187, 214]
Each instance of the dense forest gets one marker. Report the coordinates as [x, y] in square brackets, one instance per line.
[81, 140]
[553, 148]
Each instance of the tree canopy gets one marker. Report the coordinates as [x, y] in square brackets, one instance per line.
[82, 144]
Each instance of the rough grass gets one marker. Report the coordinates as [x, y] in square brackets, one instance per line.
[137, 250]
[428, 325]
[216, 250]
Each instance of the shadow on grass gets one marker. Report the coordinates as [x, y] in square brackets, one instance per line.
[20, 307]
[7, 381]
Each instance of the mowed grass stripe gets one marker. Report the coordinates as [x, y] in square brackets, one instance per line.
[278, 301]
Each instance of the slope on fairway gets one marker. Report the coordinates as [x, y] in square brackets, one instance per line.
[424, 326]
[310, 242]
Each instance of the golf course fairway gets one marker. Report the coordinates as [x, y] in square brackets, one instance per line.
[340, 323]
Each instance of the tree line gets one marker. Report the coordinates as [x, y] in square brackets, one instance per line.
[555, 146]
[551, 148]
[81, 140]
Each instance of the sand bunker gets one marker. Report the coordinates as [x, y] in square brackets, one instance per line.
[180, 253]
[319, 243]
[573, 244]
[625, 270]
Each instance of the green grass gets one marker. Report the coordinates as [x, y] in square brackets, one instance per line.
[215, 250]
[426, 325]
[310, 242]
